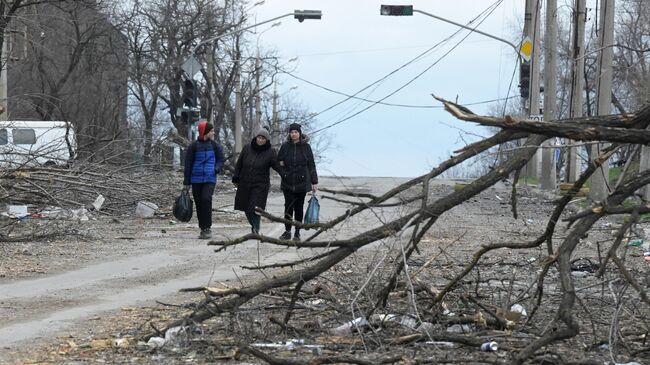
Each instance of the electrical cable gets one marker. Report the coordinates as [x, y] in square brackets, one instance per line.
[414, 106]
[489, 11]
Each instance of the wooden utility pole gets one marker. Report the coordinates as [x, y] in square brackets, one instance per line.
[531, 29]
[577, 76]
[598, 190]
[548, 178]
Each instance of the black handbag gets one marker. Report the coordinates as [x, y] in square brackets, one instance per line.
[183, 206]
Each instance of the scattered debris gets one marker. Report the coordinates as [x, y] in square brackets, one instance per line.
[347, 328]
[145, 209]
[490, 346]
[97, 204]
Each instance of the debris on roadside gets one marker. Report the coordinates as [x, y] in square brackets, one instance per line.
[145, 209]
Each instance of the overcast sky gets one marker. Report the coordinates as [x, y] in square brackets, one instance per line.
[352, 47]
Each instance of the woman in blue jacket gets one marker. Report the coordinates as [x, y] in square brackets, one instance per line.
[203, 161]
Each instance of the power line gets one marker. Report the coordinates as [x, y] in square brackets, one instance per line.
[413, 106]
[488, 10]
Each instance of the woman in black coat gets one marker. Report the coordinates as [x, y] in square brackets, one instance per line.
[298, 176]
[252, 177]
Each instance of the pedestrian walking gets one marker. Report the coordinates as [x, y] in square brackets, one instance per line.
[298, 172]
[203, 161]
[252, 176]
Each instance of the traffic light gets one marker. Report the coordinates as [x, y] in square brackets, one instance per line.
[396, 10]
[190, 117]
[190, 93]
[524, 79]
[301, 15]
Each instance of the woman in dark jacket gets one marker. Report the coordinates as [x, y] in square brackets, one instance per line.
[252, 177]
[298, 176]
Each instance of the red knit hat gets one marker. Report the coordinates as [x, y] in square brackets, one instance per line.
[204, 128]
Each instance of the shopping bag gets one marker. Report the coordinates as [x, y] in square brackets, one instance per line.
[313, 209]
[183, 206]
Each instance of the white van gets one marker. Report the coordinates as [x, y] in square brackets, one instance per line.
[35, 142]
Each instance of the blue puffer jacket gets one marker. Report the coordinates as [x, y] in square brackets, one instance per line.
[203, 162]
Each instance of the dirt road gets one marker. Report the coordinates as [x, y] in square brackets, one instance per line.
[49, 289]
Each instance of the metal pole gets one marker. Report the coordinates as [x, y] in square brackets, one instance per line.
[644, 164]
[598, 190]
[305, 14]
[210, 75]
[3, 79]
[644, 161]
[276, 122]
[548, 179]
[238, 31]
[238, 116]
[531, 28]
[578, 71]
[258, 97]
[469, 28]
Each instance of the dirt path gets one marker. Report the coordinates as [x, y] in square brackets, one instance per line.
[50, 289]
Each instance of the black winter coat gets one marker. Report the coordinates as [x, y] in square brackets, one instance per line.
[298, 170]
[252, 173]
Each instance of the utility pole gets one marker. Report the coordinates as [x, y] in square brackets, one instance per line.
[3, 79]
[548, 178]
[211, 92]
[238, 116]
[598, 190]
[531, 29]
[644, 161]
[275, 120]
[644, 165]
[258, 97]
[577, 75]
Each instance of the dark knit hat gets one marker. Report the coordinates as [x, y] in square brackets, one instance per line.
[264, 133]
[208, 128]
[295, 127]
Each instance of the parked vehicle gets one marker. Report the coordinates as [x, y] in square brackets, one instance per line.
[36, 143]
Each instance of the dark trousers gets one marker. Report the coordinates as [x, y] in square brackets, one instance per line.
[202, 194]
[293, 204]
[254, 221]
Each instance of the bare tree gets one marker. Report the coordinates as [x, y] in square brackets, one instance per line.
[410, 228]
[66, 62]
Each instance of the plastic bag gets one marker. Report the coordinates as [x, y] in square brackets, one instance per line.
[183, 206]
[313, 209]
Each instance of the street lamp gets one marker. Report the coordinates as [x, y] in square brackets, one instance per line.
[301, 15]
[407, 10]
